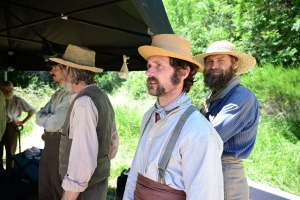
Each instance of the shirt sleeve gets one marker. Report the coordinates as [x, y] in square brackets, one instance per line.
[202, 169]
[26, 107]
[84, 149]
[133, 173]
[233, 116]
[52, 115]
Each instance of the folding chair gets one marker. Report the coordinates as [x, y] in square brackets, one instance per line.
[25, 168]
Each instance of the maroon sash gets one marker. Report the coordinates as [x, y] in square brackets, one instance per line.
[147, 189]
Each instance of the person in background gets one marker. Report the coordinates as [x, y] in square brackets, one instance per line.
[233, 111]
[193, 168]
[51, 117]
[14, 107]
[2, 114]
[84, 153]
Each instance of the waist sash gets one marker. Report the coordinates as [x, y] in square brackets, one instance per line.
[149, 189]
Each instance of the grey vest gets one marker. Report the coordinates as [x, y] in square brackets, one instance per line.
[106, 118]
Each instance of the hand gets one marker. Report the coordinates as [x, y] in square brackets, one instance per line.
[17, 122]
[113, 149]
[68, 195]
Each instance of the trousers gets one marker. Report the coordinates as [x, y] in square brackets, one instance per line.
[9, 141]
[97, 191]
[49, 185]
[235, 182]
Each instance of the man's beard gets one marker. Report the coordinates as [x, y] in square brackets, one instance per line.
[161, 90]
[217, 82]
[68, 86]
[9, 96]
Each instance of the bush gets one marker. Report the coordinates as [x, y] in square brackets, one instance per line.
[277, 89]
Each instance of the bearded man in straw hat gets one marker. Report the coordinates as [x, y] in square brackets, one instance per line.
[174, 159]
[84, 158]
[233, 111]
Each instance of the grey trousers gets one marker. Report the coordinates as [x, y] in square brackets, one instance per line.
[97, 191]
[49, 184]
[235, 182]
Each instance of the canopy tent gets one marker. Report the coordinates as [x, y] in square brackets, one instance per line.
[112, 28]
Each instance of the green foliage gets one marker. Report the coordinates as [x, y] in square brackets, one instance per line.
[275, 160]
[109, 82]
[135, 85]
[198, 92]
[25, 79]
[278, 91]
[268, 30]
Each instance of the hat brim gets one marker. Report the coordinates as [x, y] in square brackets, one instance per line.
[148, 51]
[246, 62]
[67, 63]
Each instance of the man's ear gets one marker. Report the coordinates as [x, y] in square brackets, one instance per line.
[185, 72]
[236, 64]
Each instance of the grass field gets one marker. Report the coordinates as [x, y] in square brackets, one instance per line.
[275, 160]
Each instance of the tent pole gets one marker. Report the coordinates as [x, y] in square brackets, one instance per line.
[5, 75]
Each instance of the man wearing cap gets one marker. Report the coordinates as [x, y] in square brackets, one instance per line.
[191, 169]
[84, 160]
[233, 111]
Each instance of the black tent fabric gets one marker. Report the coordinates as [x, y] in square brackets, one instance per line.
[31, 30]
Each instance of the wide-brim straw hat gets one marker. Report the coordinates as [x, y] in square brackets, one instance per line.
[78, 57]
[246, 62]
[169, 45]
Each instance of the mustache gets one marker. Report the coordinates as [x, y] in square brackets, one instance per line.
[151, 79]
[214, 70]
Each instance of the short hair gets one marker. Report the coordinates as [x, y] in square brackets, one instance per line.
[178, 64]
[6, 84]
[81, 75]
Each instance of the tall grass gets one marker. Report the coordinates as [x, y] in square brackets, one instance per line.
[275, 160]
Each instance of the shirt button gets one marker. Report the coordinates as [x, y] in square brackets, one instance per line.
[150, 139]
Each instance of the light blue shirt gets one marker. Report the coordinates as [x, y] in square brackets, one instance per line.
[52, 116]
[195, 164]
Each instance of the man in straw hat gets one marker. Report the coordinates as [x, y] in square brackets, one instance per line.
[190, 168]
[233, 111]
[84, 158]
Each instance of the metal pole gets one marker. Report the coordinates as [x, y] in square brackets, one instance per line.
[5, 75]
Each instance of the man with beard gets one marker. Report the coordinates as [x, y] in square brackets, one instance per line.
[191, 168]
[84, 151]
[233, 111]
[14, 107]
[52, 117]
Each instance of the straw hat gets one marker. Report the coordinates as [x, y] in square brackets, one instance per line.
[246, 62]
[78, 57]
[169, 45]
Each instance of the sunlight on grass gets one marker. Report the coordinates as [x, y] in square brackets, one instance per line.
[275, 160]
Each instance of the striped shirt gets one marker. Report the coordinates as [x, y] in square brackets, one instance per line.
[52, 116]
[235, 117]
[15, 107]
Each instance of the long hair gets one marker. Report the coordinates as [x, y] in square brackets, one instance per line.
[81, 75]
[183, 64]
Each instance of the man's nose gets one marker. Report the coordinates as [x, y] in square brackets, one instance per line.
[150, 72]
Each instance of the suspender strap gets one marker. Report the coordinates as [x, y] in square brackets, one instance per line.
[171, 144]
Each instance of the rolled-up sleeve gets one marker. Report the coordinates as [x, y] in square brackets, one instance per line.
[84, 149]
